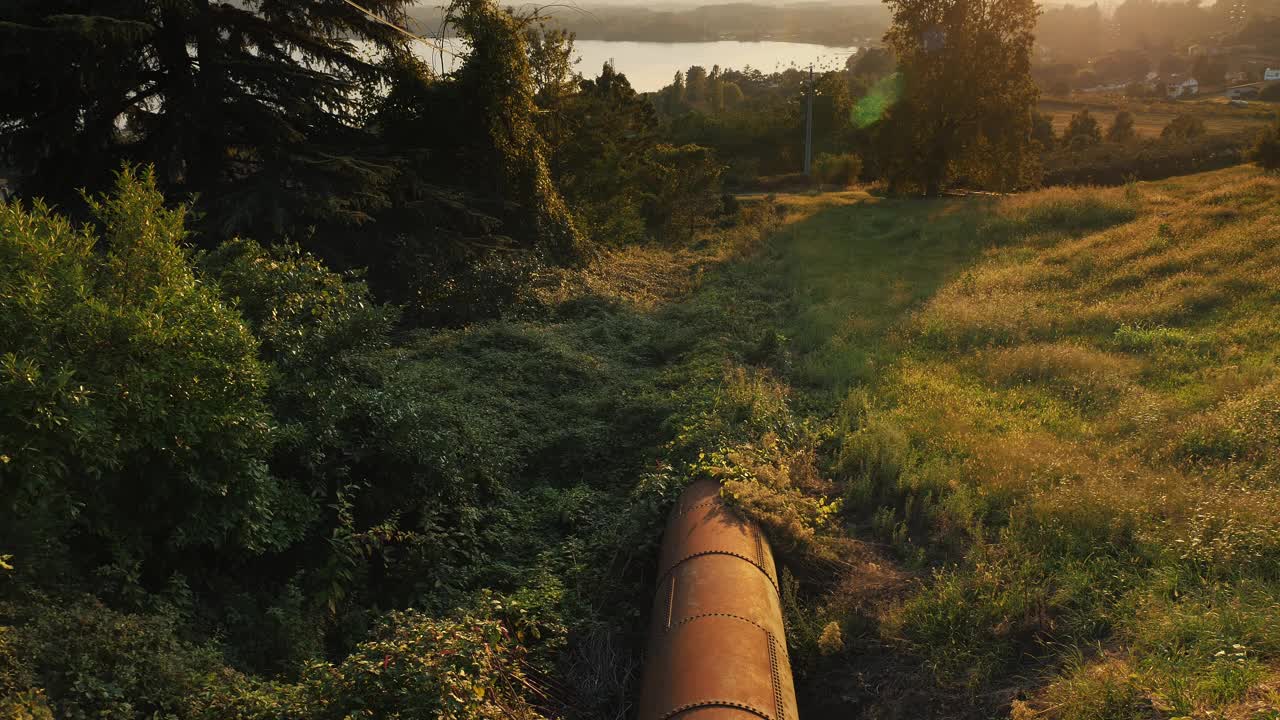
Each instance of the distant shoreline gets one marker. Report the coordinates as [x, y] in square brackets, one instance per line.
[828, 25]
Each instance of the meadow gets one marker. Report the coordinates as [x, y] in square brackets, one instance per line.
[1018, 454]
[1151, 116]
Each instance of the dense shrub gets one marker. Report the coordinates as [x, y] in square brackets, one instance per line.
[385, 443]
[303, 313]
[1121, 129]
[1149, 159]
[1266, 152]
[94, 662]
[1186, 127]
[131, 396]
[841, 169]
[472, 667]
[683, 185]
[1082, 131]
[1042, 130]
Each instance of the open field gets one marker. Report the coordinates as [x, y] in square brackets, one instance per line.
[1151, 117]
[1051, 424]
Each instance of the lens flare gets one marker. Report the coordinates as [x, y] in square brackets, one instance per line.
[871, 108]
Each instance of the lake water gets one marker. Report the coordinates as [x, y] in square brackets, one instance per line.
[649, 66]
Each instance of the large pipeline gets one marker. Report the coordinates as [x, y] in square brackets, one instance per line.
[717, 649]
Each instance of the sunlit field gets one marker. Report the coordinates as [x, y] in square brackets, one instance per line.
[1052, 422]
[1151, 116]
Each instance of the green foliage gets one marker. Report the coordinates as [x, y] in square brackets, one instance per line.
[1146, 159]
[272, 116]
[87, 661]
[497, 72]
[965, 109]
[349, 411]
[472, 666]
[246, 105]
[1042, 130]
[1082, 131]
[302, 313]
[872, 63]
[840, 170]
[684, 183]
[608, 134]
[1266, 152]
[133, 397]
[1121, 129]
[1184, 127]
[755, 136]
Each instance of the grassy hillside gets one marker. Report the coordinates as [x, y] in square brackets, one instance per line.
[1060, 412]
[1051, 423]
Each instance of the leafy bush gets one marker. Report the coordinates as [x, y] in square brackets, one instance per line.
[132, 397]
[362, 430]
[1121, 129]
[303, 313]
[684, 190]
[1266, 152]
[1186, 127]
[95, 662]
[842, 169]
[471, 667]
[1082, 131]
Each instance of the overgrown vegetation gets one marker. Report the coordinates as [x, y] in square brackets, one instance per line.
[403, 448]
[300, 476]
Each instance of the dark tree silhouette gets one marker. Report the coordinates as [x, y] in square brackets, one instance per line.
[251, 104]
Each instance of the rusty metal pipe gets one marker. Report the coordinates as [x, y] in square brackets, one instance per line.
[717, 649]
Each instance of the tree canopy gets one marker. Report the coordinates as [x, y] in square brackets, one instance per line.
[248, 104]
[967, 96]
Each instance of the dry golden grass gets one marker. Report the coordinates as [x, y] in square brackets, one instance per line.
[1149, 118]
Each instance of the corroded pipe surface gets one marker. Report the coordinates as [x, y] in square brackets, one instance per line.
[717, 649]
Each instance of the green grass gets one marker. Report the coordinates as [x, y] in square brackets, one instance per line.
[1052, 423]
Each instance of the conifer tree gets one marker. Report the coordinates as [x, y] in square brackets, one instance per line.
[252, 104]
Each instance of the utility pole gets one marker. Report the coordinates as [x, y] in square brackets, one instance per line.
[808, 127]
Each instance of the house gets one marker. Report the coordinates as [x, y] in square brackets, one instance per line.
[1236, 78]
[1271, 74]
[1186, 88]
[1243, 92]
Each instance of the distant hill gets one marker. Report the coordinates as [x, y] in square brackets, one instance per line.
[815, 22]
